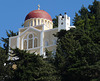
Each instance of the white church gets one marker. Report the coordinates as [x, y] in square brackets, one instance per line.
[37, 33]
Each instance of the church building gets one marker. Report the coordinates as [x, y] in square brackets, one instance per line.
[37, 33]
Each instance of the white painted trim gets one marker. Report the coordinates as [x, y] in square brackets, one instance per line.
[37, 40]
[54, 41]
[33, 48]
[39, 26]
[22, 44]
[9, 44]
[14, 36]
[41, 42]
[72, 27]
[46, 42]
[49, 46]
[38, 18]
[30, 26]
[19, 33]
[43, 26]
[18, 39]
[23, 28]
[28, 40]
[28, 29]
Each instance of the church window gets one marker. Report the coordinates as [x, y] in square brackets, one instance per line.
[46, 43]
[31, 23]
[48, 23]
[42, 22]
[54, 42]
[35, 22]
[62, 23]
[28, 24]
[45, 22]
[25, 44]
[30, 41]
[35, 42]
[62, 18]
[38, 22]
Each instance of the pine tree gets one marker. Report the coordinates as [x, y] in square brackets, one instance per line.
[31, 67]
[55, 22]
[3, 60]
[6, 40]
[77, 57]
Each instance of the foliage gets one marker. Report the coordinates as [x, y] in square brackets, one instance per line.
[6, 40]
[55, 22]
[3, 59]
[77, 55]
[31, 67]
[78, 50]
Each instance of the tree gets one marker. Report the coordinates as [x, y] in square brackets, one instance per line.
[6, 40]
[31, 67]
[95, 13]
[3, 60]
[55, 22]
[77, 55]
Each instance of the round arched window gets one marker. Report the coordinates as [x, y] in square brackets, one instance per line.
[35, 42]
[25, 44]
[30, 41]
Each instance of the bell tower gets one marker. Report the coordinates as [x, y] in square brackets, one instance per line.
[63, 22]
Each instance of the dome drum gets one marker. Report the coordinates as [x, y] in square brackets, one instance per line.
[38, 21]
[38, 17]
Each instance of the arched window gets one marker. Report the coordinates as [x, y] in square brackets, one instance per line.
[30, 41]
[28, 24]
[25, 44]
[54, 42]
[38, 22]
[31, 23]
[48, 23]
[42, 22]
[35, 42]
[45, 22]
[46, 43]
[35, 22]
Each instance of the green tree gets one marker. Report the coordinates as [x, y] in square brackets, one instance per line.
[31, 67]
[3, 60]
[95, 14]
[77, 56]
[6, 40]
[55, 22]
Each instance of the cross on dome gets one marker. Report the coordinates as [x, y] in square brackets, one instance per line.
[38, 7]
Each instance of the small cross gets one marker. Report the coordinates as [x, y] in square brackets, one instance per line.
[38, 7]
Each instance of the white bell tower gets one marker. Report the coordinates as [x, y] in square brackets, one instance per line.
[64, 22]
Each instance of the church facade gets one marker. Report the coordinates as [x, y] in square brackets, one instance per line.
[37, 33]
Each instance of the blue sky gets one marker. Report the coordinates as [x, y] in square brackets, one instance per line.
[13, 12]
